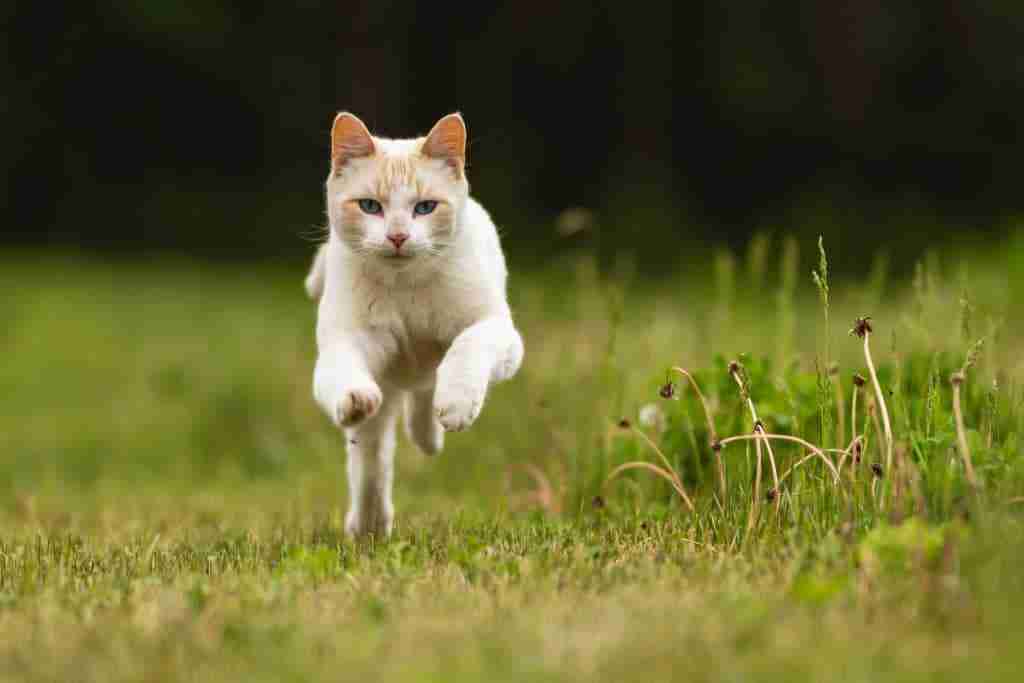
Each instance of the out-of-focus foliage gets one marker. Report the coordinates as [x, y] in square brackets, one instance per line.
[203, 125]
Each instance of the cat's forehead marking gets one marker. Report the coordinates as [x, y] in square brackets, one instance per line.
[395, 173]
[400, 167]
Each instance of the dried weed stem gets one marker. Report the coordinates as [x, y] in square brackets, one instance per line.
[862, 329]
[711, 430]
[736, 370]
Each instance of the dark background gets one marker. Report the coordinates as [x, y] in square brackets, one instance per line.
[202, 127]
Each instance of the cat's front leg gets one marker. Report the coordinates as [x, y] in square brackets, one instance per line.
[343, 385]
[490, 350]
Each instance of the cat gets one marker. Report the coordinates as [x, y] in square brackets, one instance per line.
[412, 315]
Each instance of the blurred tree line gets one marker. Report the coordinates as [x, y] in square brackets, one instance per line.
[202, 126]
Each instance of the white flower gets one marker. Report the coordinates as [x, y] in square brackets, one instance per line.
[651, 416]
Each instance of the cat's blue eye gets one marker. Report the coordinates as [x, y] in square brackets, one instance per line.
[370, 206]
[424, 207]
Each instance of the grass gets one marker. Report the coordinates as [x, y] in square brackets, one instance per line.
[171, 502]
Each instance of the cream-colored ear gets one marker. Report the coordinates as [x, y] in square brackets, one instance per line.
[349, 140]
[447, 141]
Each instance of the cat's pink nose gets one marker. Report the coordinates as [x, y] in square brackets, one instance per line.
[398, 239]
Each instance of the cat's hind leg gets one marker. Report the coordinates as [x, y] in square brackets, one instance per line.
[371, 468]
[421, 424]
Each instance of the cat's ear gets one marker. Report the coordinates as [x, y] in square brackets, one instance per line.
[349, 140]
[447, 141]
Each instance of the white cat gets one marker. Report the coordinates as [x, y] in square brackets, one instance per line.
[412, 312]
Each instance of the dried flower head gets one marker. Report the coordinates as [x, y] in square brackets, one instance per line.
[862, 327]
[770, 495]
[598, 502]
[876, 469]
[858, 380]
[739, 373]
[957, 378]
[973, 354]
[668, 390]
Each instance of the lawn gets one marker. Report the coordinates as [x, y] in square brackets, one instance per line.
[171, 501]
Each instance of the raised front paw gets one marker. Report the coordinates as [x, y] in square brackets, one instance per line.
[356, 405]
[457, 407]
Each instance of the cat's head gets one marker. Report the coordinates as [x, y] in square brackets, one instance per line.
[396, 201]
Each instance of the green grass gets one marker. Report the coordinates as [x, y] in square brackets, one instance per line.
[171, 500]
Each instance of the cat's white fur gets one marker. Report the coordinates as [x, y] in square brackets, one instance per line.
[424, 331]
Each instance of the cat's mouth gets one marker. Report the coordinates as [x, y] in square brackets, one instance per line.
[396, 255]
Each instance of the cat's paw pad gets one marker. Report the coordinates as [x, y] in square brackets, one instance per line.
[457, 409]
[357, 405]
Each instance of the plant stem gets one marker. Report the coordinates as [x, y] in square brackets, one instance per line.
[711, 430]
[660, 471]
[853, 412]
[759, 429]
[785, 437]
[840, 412]
[846, 453]
[755, 502]
[961, 432]
[881, 401]
[668, 467]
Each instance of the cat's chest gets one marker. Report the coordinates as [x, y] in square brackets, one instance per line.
[412, 329]
[419, 316]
